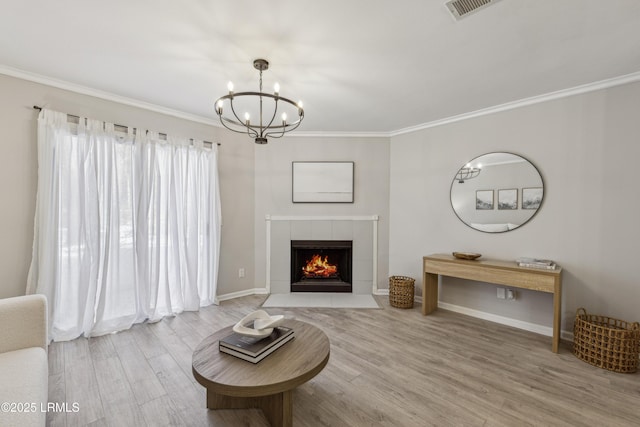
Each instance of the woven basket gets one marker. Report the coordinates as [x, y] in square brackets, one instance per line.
[605, 342]
[401, 290]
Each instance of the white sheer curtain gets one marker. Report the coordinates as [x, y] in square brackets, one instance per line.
[127, 228]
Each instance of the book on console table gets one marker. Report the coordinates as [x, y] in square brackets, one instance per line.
[544, 264]
[255, 349]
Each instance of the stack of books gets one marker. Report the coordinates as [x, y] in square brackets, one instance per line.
[254, 349]
[544, 264]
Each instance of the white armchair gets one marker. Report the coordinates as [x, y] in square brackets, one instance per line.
[23, 361]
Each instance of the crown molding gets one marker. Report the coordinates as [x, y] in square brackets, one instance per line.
[577, 90]
[84, 90]
[320, 134]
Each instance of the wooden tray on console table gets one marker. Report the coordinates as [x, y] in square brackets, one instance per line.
[501, 272]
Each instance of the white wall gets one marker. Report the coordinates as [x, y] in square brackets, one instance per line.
[18, 175]
[273, 187]
[586, 147]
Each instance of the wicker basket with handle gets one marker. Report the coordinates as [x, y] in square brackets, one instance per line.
[606, 342]
[401, 290]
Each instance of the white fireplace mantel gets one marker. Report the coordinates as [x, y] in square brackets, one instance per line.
[374, 250]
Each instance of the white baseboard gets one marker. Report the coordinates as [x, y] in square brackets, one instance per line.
[531, 327]
[245, 293]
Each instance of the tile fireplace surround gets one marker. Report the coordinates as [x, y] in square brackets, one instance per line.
[362, 230]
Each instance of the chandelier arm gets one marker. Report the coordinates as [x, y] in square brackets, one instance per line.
[239, 121]
[252, 132]
[283, 129]
[224, 122]
[276, 135]
[288, 127]
[275, 111]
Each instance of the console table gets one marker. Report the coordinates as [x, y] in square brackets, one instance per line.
[492, 271]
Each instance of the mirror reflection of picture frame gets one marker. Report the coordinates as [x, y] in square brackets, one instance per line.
[532, 197]
[508, 199]
[322, 182]
[484, 199]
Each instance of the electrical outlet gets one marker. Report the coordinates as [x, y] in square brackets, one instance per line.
[502, 293]
[241, 272]
[511, 294]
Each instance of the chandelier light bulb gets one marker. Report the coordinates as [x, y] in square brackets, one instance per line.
[219, 105]
[230, 87]
[284, 117]
[246, 117]
[276, 88]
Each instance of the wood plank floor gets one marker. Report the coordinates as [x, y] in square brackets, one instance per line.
[388, 367]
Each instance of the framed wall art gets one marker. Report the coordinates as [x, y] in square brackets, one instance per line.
[508, 199]
[532, 197]
[322, 182]
[484, 199]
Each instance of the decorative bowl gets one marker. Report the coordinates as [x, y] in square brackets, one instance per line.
[466, 255]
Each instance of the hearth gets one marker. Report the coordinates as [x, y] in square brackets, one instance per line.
[321, 265]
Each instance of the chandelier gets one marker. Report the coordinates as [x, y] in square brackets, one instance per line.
[468, 172]
[263, 127]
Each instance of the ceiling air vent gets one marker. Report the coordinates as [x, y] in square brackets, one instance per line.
[461, 8]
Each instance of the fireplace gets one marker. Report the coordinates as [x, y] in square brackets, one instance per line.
[321, 265]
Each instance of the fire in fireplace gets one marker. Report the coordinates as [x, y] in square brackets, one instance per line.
[319, 268]
[321, 265]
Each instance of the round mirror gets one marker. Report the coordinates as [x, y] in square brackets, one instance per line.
[497, 192]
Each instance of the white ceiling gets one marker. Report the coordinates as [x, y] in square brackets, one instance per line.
[374, 66]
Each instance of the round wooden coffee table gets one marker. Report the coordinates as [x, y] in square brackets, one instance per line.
[233, 383]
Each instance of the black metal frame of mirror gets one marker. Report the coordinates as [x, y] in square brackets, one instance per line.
[507, 214]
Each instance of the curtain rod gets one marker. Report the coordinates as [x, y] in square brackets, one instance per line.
[36, 107]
